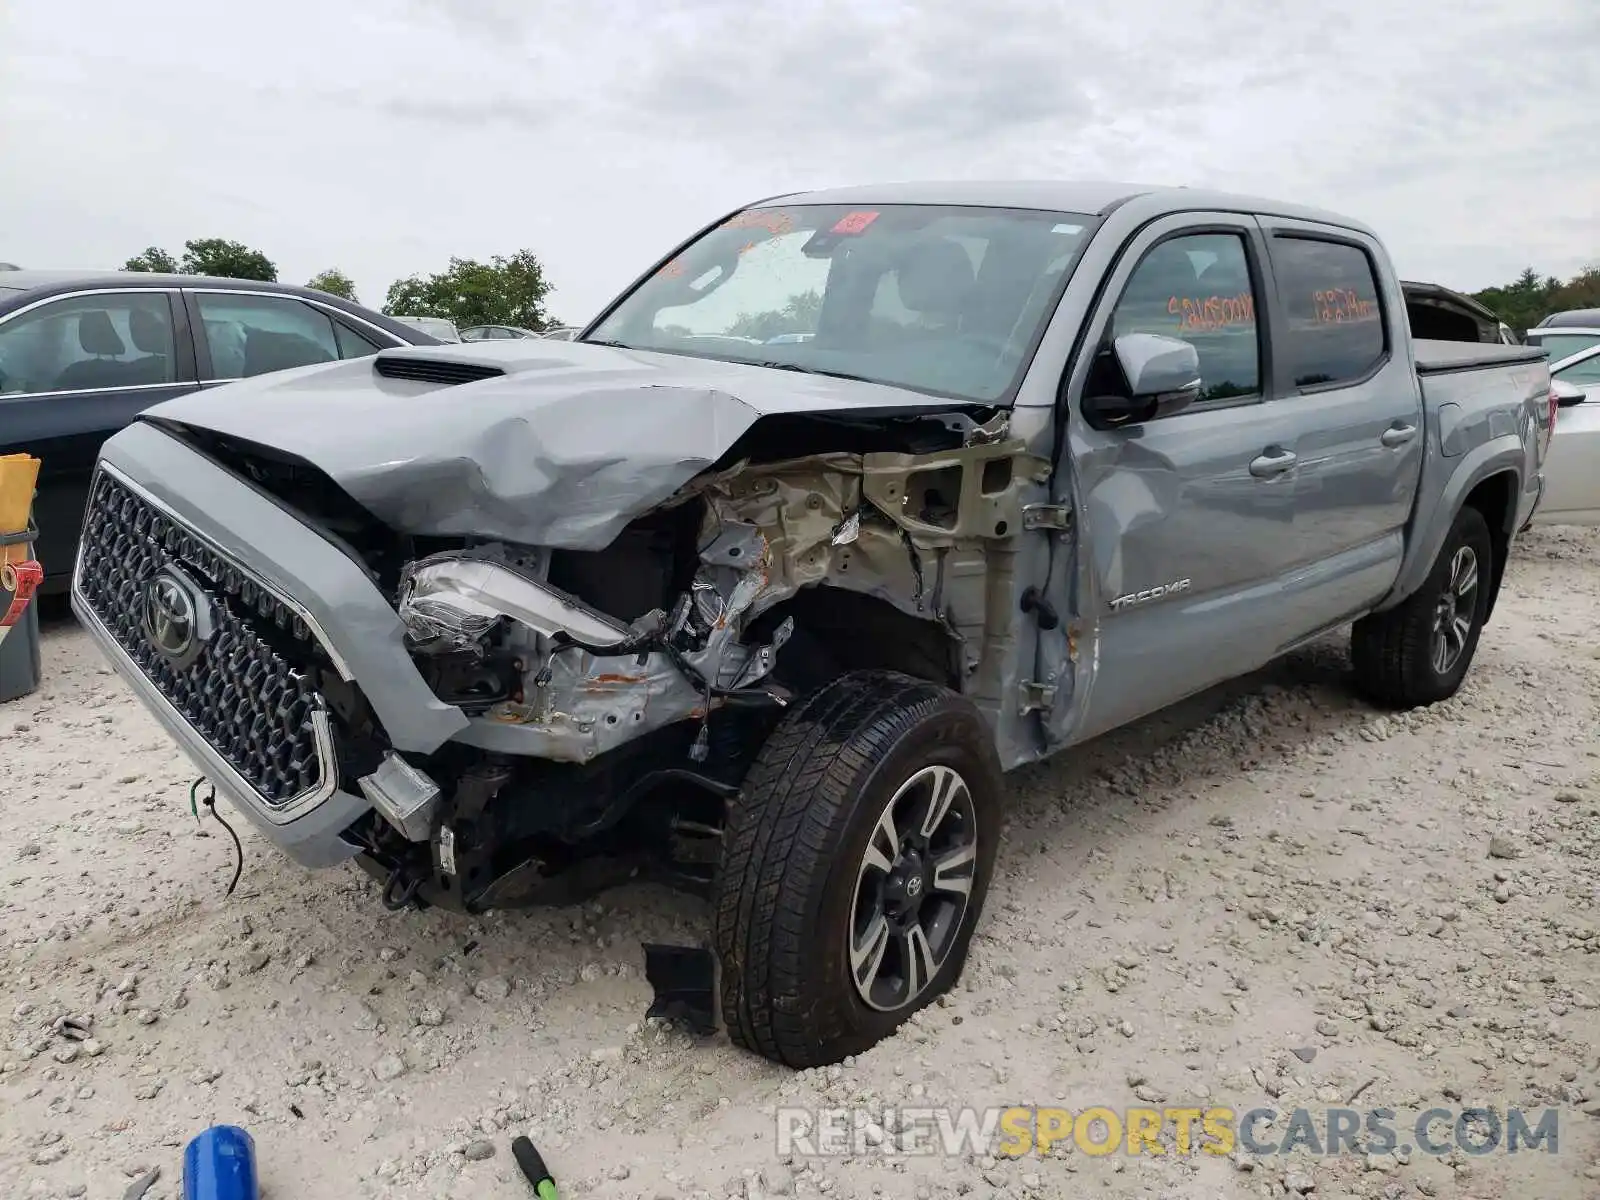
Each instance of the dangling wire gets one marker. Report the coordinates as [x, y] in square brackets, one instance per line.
[211, 806]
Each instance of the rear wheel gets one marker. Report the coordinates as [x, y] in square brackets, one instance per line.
[1418, 652]
[855, 865]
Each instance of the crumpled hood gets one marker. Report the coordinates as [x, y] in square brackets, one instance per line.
[564, 449]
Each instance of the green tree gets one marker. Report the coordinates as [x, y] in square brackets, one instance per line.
[230, 260]
[153, 259]
[1529, 299]
[503, 291]
[335, 283]
[799, 315]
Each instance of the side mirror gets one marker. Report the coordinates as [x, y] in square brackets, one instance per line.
[1163, 377]
[1566, 394]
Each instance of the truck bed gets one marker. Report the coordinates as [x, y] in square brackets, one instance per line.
[1440, 358]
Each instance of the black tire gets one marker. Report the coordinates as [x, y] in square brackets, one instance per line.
[796, 853]
[1395, 653]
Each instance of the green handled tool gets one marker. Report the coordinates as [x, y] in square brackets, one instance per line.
[533, 1168]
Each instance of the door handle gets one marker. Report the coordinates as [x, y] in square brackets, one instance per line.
[1398, 435]
[1268, 465]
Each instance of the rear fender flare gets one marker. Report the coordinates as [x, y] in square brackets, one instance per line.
[1433, 518]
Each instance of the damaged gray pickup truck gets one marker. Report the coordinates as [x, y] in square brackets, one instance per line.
[855, 501]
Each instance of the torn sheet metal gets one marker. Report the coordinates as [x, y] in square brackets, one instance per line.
[562, 450]
[579, 703]
[863, 522]
[768, 532]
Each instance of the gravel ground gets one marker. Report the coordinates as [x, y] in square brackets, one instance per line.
[1269, 896]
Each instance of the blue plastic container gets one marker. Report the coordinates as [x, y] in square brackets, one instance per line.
[220, 1164]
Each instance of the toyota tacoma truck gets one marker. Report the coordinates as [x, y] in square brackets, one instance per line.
[510, 622]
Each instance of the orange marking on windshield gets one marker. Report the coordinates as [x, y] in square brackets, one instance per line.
[854, 222]
[773, 222]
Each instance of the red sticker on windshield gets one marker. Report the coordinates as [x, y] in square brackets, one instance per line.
[854, 222]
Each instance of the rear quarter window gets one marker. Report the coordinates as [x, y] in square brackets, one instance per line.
[1334, 329]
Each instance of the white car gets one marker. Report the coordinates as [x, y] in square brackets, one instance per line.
[439, 327]
[497, 333]
[1572, 470]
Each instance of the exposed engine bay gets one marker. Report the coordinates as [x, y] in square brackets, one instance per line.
[578, 652]
[617, 695]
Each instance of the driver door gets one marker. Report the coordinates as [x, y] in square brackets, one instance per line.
[1187, 521]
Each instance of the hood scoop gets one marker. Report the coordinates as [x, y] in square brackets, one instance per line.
[432, 370]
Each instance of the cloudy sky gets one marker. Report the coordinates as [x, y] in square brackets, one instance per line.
[383, 136]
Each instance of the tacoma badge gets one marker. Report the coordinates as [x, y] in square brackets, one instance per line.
[1160, 592]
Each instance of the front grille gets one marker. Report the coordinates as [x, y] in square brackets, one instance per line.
[432, 370]
[250, 690]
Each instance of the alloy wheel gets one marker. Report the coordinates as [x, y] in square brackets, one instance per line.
[1456, 611]
[912, 888]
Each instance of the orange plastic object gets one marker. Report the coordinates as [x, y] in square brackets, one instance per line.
[18, 475]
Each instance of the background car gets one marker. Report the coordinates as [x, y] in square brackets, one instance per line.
[1572, 468]
[1564, 334]
[1581, 369]
[562, 333]
[83, 353]
[497, 333]
[439, 328]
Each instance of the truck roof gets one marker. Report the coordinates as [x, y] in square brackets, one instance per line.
[1091, 197]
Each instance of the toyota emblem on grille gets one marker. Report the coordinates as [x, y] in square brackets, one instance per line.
[176, 617]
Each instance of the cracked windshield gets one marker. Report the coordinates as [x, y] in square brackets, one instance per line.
[939, 299]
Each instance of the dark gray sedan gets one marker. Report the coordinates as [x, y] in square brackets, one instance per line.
[82, 353]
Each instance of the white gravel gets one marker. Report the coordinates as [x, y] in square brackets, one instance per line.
[1271, 895]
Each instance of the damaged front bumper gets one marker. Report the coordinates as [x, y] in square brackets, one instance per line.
[210, 514]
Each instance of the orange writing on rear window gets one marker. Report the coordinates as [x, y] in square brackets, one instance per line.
[1335, 306]
[771, 221]
[1205, 313]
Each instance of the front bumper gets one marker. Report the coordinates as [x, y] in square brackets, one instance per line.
[346, 612]
[312, 838]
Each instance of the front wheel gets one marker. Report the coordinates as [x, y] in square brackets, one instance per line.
[1418, 652]
[855, 864]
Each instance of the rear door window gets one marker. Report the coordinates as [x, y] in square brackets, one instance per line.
[252, 335]
[82, 343]
[1334, 331]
